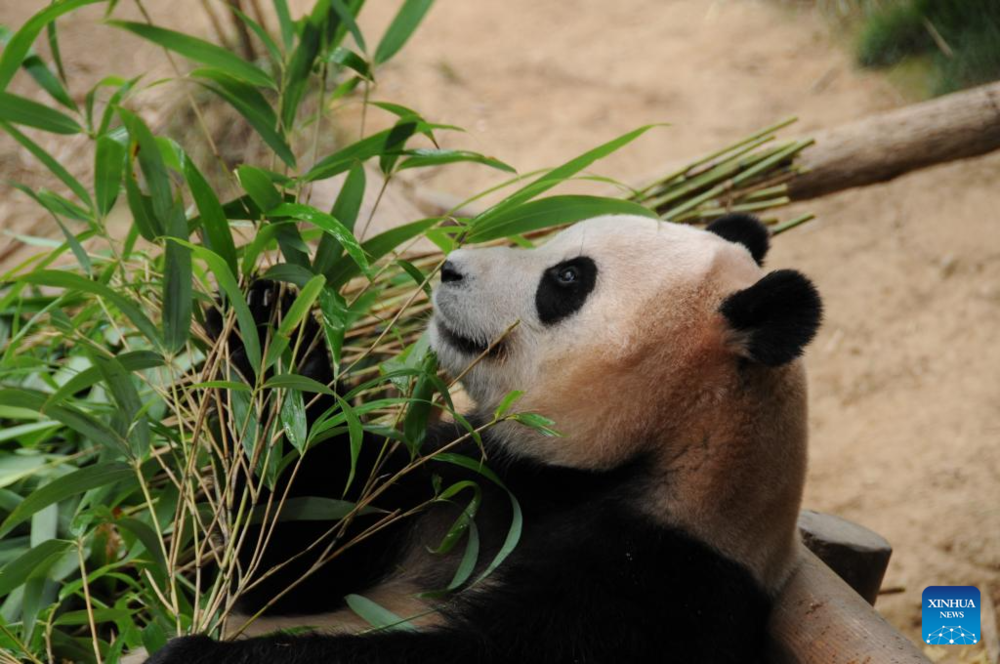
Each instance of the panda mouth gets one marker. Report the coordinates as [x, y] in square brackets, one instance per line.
[467, 345]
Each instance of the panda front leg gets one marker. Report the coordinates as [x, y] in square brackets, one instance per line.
[286, 581]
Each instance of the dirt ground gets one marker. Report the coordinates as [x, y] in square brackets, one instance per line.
[905, 391]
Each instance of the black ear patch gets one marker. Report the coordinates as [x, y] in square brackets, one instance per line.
[564, 288]
[744, 229]
[778, 315]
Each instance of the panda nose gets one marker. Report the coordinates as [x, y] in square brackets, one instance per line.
[450, 273]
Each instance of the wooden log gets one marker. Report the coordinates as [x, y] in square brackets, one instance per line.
[857, 555]
[887, 145]
[819, 619]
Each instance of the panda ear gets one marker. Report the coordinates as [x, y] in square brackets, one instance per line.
[775, 318]
[744, 229]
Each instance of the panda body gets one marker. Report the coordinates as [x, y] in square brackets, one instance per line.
[658, 527]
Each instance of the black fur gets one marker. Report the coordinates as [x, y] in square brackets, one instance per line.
[779, 316]
[557, 298]
[744, 229]
[593, 579]
[471, 346]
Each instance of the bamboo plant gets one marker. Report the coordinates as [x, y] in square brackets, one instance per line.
[120, 519]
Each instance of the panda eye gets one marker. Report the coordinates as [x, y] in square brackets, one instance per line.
[568, 275]
[564, 288]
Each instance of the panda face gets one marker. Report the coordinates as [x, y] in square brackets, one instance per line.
[582, 312]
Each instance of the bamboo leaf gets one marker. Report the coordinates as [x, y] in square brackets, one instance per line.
[377, 615]
[177, 284]
[54, 166]
[48, 81]
[348, 21]
[539, 423]
[199, 51]
[517, 518]
[218, 236]
[153, 167]
[136, 360]
[348, 58]
[119, 382]
[145, 534]
[379, 246]
[293, 419]
[141, 207]
[53, 39]
[301, 306]
[262, 35]
[109, 160]
[32, 563]
[350, 197]
[461, 524]
[77, 482]
[299, 310]
[418, 413]
[222, 385]
[356, 435]
[548, 180]
[84, 424]
[395, 143]
[290, 272]
[345, 210]
[419, 278]
[311, 508]
[258, 184]
[284, 22]
[334, 317]
[153, 637]
[548, 212]
[300, 66]
[19, 45]
[39, 71]
[19, 110]
[293, 247]
[424, 157]
[360, 151]
[124, 87]
[469, 559]
[298, 382]
[328, 223]
[227, 282]
[401, 28]
[69, 281]
[252, 105]
[506, 403]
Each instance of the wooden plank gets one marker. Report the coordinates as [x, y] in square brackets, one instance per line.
[819, 619]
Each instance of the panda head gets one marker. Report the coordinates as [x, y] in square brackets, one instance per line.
[648, 339]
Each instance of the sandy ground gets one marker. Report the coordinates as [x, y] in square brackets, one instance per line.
[905, 391]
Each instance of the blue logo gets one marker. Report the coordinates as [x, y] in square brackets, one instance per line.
[951, 615]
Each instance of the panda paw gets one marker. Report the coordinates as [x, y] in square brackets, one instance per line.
[267, 301]
[188, 650]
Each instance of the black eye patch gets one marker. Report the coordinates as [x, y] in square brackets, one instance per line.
[564, 288]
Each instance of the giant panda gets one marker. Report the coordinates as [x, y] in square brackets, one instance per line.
[660, 524]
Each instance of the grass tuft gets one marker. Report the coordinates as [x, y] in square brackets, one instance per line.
[961, 38]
